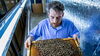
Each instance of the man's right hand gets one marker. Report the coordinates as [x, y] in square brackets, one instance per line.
[28, 42]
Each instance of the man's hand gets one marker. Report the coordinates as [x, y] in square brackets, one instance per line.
[28, 42]
[75, 36]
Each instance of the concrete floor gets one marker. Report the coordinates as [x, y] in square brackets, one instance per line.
[36, 18]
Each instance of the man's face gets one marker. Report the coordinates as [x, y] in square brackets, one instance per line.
[55, 17]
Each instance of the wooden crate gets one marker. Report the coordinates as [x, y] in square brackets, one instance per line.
[33, 51]
[37, 8]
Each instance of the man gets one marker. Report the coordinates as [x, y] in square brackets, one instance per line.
[53, 27]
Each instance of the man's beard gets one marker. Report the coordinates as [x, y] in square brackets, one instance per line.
[55, 24]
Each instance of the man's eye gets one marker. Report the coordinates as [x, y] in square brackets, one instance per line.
[52, 17]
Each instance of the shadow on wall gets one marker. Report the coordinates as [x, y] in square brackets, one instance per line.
[91, 37]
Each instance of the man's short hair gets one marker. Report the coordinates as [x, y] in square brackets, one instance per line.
[56, 5]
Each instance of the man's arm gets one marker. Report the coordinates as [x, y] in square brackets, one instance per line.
[74, 33]
[33, 35]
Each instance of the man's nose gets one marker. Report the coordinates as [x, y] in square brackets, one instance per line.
[54, 21]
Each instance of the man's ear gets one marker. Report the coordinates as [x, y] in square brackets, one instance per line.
[62, 14]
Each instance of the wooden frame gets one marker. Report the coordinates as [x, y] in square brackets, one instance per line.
[32, 51]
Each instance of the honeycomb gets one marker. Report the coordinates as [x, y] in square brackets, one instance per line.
[55, 47]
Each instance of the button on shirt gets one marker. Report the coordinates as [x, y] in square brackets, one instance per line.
[46, 31]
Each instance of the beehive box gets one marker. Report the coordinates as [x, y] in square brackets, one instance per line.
[55, 47]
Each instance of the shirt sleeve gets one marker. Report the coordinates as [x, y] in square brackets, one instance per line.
[36, 32]
[73, 30]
